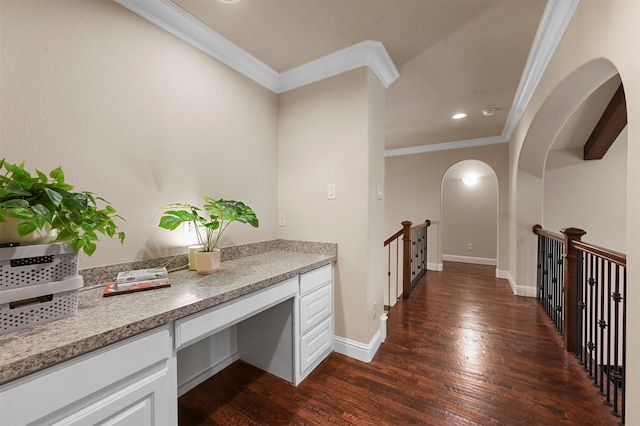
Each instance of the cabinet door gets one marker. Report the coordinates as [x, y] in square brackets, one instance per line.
[104, 382]
[144, 403]
[315, 346]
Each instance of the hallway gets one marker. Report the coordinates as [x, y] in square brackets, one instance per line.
[461, 351]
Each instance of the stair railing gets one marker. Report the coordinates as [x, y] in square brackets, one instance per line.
[591, 281]
[414, 258]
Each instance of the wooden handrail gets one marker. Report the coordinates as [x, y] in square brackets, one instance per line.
[393, 237]
[400, 232]
[538, 230]
[421, 225]
[610, 255]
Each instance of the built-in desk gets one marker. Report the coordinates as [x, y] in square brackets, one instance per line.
[122, 359]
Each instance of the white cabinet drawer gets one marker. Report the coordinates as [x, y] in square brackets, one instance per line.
[315, 345]
[197, 326]
[315, 279]
[315, 307]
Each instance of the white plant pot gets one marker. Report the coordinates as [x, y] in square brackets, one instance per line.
[9, 234]
[207, 262]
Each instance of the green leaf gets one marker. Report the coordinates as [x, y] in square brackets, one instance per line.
[14, 204]
[43, 178]
[25, 228]
[20, 213]
[14, 188]
[171, 222]
[54, 196]
[57, 174]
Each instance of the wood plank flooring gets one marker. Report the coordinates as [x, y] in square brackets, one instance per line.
[461, 351]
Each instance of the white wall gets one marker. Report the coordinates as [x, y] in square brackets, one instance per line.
[328, 135]
[136, 115]
[591, 195]
[470, 216]
[413, 188]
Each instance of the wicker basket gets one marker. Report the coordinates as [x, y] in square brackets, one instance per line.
[38, 284]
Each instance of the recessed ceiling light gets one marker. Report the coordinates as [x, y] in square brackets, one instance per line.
[228, 1]
[470, 180]
[458, 116]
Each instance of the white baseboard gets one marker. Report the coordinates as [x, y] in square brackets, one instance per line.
[504, 275]
[469, 259]
[434, 267]
[516, 289]
[207, 374]
[362, 351]
[526, 291]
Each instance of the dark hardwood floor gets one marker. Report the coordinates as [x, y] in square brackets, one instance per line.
[461, 351]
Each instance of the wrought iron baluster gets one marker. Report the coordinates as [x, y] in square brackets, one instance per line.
[602, 324]
[590, 345]
[615, 373]
[624, 344]
[583, 310]
[580, 303]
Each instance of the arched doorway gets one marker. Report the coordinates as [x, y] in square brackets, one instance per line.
[528, 177]
[470, 213]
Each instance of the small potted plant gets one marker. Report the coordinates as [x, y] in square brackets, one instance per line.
[209, 223]
[43, 208]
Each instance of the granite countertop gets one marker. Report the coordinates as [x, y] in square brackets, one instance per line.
[101, 321]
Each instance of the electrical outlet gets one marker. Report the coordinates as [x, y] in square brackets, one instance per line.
[187, 230]
[469, 246]
[374, 312]
[282, 219]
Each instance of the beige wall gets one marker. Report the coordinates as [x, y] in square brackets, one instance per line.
[591, 195]
[329, 134]
[413, 192]
[136, 115]
[601, 40]
[470, 216]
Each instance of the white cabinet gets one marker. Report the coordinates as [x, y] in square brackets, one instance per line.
[132, 382]
[285, 329]
[315, 327]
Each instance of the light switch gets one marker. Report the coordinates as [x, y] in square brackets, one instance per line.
[331, 191]
[380, 191]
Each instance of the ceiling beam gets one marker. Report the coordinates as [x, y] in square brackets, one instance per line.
[612, 122]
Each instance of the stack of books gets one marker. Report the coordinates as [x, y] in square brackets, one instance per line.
[138, 280]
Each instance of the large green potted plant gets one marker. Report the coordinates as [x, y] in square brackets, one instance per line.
[45, 205]
[209, 224]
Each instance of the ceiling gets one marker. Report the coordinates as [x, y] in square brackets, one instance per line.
[452, 55]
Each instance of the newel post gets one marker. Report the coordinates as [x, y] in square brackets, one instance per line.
[406, 258]
[570, 256]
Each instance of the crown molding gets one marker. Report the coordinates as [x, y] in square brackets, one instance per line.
[168, 16]
[176, 21]
[367, 53]
[468, 143]
[555, 20]
[171, 18]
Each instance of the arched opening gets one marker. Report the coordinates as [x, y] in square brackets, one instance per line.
[545, 128]
[587, 194]
[470, 213]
